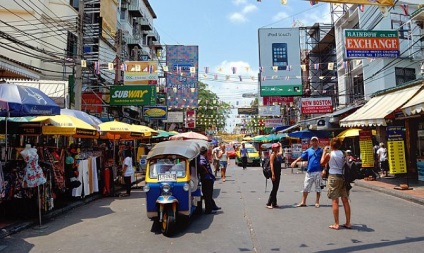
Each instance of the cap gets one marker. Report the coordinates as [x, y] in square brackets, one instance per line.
[275, 145]
[203, 149]
[348, 151]
[314, 138]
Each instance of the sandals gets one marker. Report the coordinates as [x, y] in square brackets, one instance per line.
[317, 205]
[300, 205]
[346, 226]
[269, 207]
[335, 227]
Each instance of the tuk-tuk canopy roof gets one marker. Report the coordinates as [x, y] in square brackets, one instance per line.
[185, 148]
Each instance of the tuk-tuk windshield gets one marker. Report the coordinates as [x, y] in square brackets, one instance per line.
[167, 166]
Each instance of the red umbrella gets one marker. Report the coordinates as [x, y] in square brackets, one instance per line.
[189, 135]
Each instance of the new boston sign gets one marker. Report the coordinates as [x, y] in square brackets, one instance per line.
[371, 43]
[133, 95]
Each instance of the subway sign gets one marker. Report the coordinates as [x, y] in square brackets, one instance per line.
[371, 43]
[133, 95]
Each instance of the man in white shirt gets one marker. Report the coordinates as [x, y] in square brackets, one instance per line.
[127, 171]
[382, 158]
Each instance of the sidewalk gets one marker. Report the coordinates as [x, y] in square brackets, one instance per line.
[387, 185]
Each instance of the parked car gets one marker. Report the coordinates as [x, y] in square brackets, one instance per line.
[253, 157]
[231, 152]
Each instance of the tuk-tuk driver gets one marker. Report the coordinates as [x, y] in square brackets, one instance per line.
[207, 178]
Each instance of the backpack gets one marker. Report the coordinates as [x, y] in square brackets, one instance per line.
[350, 171]
[266, 168]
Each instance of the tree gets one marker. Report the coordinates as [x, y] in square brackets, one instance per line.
[211, 110]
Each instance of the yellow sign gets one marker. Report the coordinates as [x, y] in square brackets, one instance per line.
[365, 2]
[141, 72]
[109, 23]
[396, 150]
[365, 145]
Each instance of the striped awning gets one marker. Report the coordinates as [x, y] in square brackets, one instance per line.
[415, 105]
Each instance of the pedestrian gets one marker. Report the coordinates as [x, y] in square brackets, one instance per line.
[382, 158]
[215, 159]
[313, 172]
[127, 171]
[337, 187]
[223, 161]
[207, 179]
[275, 164]
[243, 155]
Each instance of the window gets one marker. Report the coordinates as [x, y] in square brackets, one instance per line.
[358, 87]
[71, 45]
[404, 75]
[167, 166]
[399, 22]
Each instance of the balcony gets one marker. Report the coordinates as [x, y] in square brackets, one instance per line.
[154, 35]
[145, 24]
[134, 42]
[135, 9]
[126, 27]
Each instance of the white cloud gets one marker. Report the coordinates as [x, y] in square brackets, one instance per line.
[249, 8]
[238, 2]
[280, 16]
[237, 17]
[316, 16]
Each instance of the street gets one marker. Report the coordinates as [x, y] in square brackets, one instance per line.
[381, 223]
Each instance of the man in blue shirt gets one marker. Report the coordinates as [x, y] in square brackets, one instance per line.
[243, 155]
[313, 173]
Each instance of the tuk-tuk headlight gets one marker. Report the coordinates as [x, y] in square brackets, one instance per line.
[186, 187]
[146, 188]
[166, 188]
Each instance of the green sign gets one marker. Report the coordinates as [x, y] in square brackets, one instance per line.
[133, 95]
[281, 90]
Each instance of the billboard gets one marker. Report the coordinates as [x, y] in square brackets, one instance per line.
[371, 43]
[133, 95]
[316, 105]
[279, 60]
[277, 100]
[92, 102]
[141, 72]
[182, 76]
[109, 20]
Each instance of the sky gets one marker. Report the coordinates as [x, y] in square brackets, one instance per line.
[226, 32]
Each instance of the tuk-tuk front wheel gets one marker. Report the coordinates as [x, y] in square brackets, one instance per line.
[168, 221]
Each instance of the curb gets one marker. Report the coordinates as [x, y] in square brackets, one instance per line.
[392, 192]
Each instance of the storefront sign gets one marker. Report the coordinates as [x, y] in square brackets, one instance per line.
[271, 110]
[190, 120]
[367, 151]
[396, 150]
[67, 131]
[141, 72]
[155, 112]
[175, 117]
[371, 43]
[317, 105]
[92, 102]
[26, 130]
[277, 100]
[133, 95]
[249, 110]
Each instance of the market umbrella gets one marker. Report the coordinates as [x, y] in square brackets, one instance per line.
[162, 134]
[115, 130]
[307, 134]
[147, 131]
[189, 135]
[66, 125]
[261, 138]
[352, 132]
[87, 118]
[248, 138]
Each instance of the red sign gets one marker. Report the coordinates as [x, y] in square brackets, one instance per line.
[316, 105]
[92, 102]
[190, 120]
[278, 100]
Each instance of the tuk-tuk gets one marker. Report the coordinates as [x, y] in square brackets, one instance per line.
[172, 183]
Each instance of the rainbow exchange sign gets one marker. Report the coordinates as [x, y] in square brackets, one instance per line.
[371, 43]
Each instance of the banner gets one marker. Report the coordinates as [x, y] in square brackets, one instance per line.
[279, 59]
[277, 100]
[141, 72]
[133, 95]
[316, 105]
[91, 102]
[272, 110]
[367, 151]
[396, 150]
[248, 110]
[371, 43]
[180, 81]
[190, 120]
[155, 112]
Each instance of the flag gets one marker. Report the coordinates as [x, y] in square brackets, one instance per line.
[313, 2]
[290, 68]
[344, 65]
[83, 63]
[330, 65]
[227, 77]
[220, 69]
[137, 68]
[316, 66]
[234, 69]
[110, 66]
[192, 70]
[275, 68]
[404, 7]
[123, 67]
[150, 69]
[241, 79]
[97, 67]
[361, 7]
[303, 67]
[165, 68]
[263, 78]
[206, 70]
[261, 69]
[283, 1]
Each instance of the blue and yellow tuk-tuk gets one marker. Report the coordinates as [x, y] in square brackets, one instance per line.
[172, 182]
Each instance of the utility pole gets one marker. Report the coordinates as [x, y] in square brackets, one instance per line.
[118, 57]
[80, 53]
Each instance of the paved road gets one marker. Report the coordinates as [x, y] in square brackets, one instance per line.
[381, 223]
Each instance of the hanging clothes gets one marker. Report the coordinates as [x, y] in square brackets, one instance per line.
[84, 188]
[95, 176]
[34, 175]
[59, 170]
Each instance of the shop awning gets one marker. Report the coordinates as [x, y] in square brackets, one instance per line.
[374, 112]
[415, 105]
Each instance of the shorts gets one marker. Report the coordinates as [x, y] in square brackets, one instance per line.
[223, 164]
[336, 187]
[312, 178]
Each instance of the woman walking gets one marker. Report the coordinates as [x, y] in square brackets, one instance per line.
[223, 161]
[336, 184]
[275, 175]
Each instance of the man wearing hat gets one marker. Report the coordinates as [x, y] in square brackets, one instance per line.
[313, 172]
